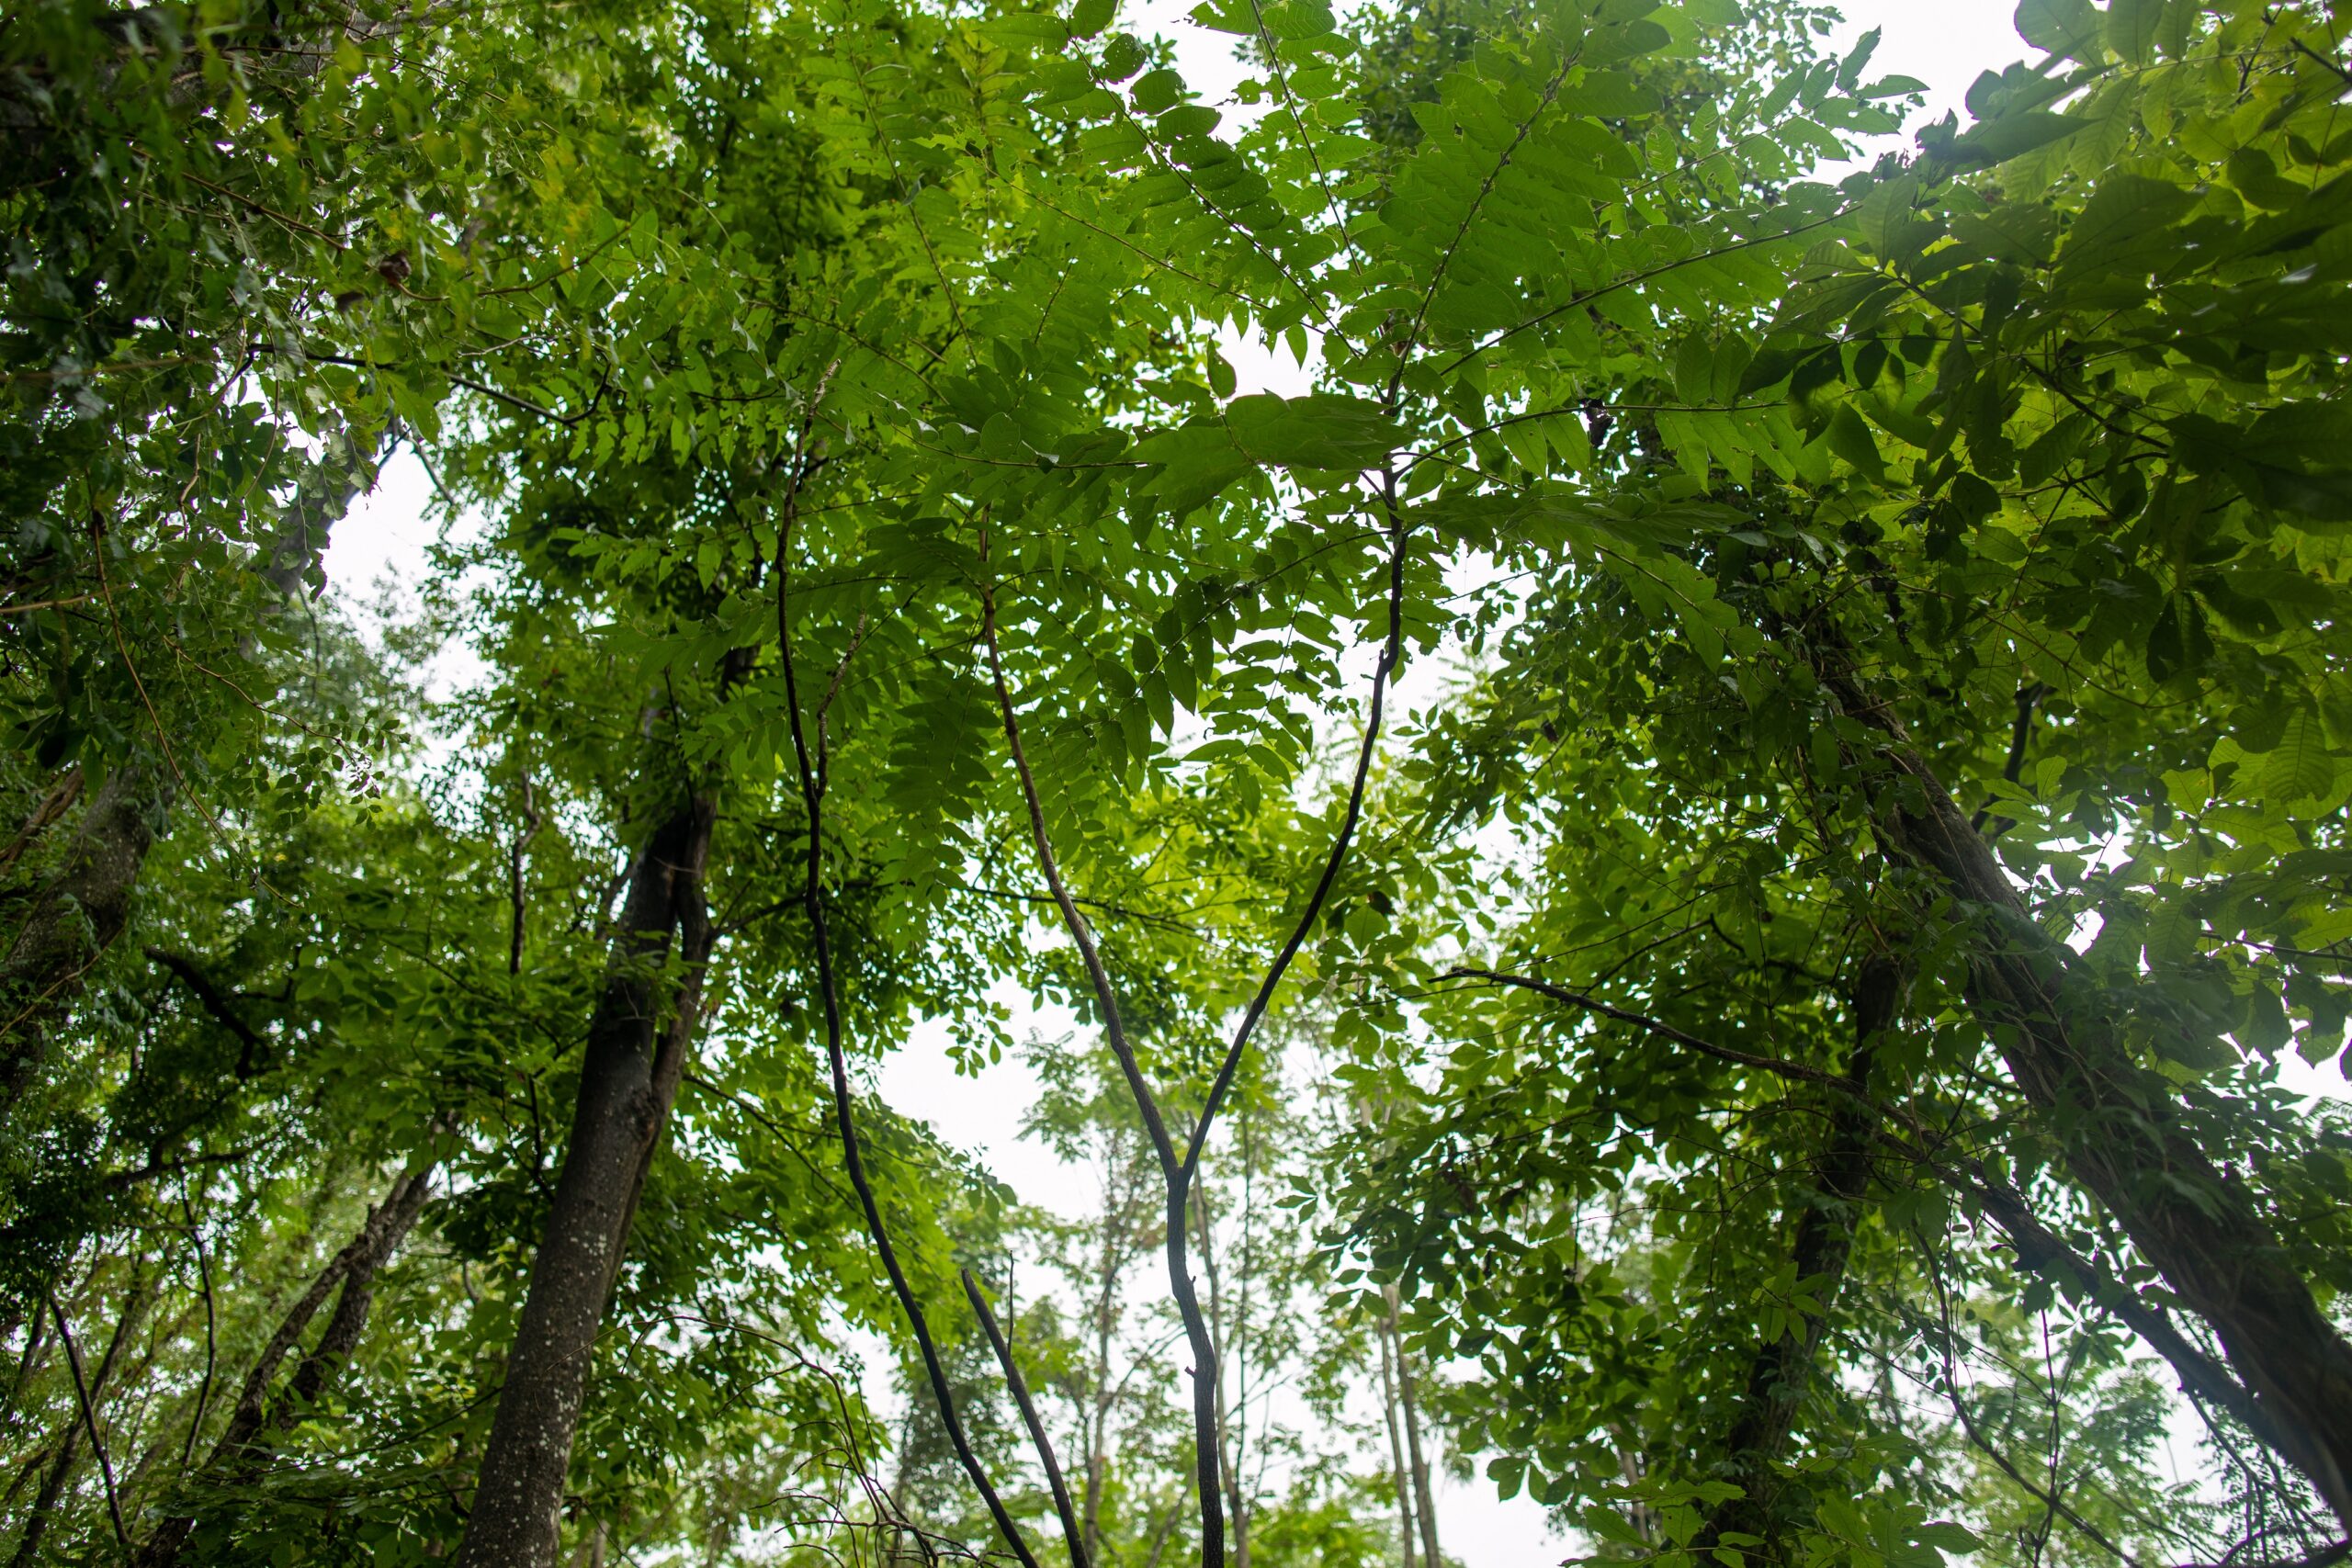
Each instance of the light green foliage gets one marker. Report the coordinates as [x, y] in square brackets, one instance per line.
[798, 360]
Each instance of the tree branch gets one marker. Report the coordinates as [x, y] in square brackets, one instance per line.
[1179, 1172]
[90, 1423]
[2036, 1247]
[1037, 1438]
[811, 771]
[217, 1005]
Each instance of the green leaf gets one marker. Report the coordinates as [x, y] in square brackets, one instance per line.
[1851, 439]
[1694, 365]
[2068, 28]
[1322, 430]
[2132, 27]
[1993, 142]
[1946, 1536]
[1156, 90]
[2300, 767]
[2123, 222]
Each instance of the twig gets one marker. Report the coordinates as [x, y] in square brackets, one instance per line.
[269, 213]
[211, 1341]
[217, 1006]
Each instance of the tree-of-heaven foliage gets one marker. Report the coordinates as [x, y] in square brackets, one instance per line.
[1682, 889]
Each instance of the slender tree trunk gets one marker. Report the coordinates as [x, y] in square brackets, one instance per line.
[1640, 1517]
[1825, 1213]
[1223, 1333]
[2124, 1139]
[1244, 1273]
[73, 922]
[1396, 1442]
[1424, 1503]
[240, 1451]
[1118, 1204]
[61, 1469]
[627, 1080]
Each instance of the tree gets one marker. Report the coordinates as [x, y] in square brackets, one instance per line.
[1795, 1009]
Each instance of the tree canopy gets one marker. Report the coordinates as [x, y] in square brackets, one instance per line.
[1679, 890]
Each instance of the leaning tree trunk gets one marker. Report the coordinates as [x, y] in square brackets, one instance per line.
[1826, 1213]
[626, 1082]
[240, 1451]
[2125, 1140]
[73, 922]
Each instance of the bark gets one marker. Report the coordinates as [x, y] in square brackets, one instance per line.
[627, 1083]
[1823, 1235]
[2122, 1130]
[73, 922]
[242, 1449]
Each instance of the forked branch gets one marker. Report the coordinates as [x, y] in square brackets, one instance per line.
[812, 795]
[1179, 1169]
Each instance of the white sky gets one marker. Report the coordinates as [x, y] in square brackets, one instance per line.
[1944, 43]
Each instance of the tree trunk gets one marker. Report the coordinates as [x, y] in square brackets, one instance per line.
[1825, 1217]
[626, 1082]
[2122, 1133]
[73, 922]
[1225, 1334]
[1424, 1503]
[238, 1455]
[1395, 1443]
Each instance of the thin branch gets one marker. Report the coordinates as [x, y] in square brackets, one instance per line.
[270, 212]
[1391, 653]
[1179, 1172]
[2055, 1504]
[2342, 75]
[1628, 281]
[1477, 203]
[90, 1424]
[515, 891]
[211, 1332]
[812, 793]
[1174, 1170]
[2020, 734]
[217, 1006]
[1037, 1438]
